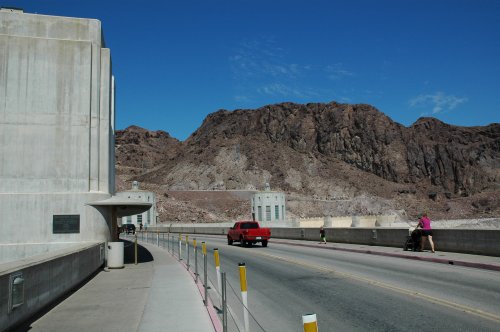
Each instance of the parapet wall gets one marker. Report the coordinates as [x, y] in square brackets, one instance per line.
[470, 241]
[46, 278]
[346, 221]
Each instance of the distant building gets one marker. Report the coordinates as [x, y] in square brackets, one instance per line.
[269, 205]
[146, 218]
[57, 116]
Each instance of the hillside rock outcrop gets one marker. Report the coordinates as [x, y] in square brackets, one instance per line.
[325, 152]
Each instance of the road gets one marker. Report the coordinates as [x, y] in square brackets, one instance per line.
[351, 291]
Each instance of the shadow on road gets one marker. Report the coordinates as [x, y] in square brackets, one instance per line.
[143, 255]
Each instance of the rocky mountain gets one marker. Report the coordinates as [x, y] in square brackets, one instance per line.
[334, 159]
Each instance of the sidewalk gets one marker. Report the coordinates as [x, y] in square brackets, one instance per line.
[451, 258]
[157, 294]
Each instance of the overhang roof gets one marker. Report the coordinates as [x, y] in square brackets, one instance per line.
[124, 206]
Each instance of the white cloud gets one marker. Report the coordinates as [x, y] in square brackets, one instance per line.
[280, 89]
[337, 71]
[261, 59]
[438, 102]
[261, 68]
[242, 98]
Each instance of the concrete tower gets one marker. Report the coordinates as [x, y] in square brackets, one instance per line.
[56, 134]
[269, 206]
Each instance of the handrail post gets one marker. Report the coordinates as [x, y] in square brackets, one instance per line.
[310, 323]
[135, 249]
[180, 247]
[187, 246]
[205, 277]
[195, 260]
[217, 270]
[244, 297]
[224, 303]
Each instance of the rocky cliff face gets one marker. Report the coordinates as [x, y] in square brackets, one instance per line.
[457, 159]
[327, 153]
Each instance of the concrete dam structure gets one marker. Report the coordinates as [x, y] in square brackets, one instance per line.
[57, 163]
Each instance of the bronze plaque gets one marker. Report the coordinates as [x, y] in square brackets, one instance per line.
[66, 224]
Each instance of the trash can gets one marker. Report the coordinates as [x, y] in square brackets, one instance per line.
[115, 255]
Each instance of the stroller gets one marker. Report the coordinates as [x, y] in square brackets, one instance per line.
[413, 240]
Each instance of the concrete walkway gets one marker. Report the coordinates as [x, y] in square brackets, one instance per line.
[158, 294]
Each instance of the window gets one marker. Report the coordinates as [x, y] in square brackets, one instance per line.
[149, 216]
[129, 219]
[259, 209]
[276, 212]
[268, 213]
[249, 225]
[139, 218]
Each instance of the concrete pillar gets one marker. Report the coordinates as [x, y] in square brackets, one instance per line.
[328, 222]
[385, 220]
[355, 221]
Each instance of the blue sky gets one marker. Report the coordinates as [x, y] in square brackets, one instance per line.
[177, 61]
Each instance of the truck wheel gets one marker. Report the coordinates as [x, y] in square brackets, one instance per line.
[264, 243]
[229, 241]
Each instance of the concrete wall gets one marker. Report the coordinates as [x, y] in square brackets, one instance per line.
[472, 241]
[56, 127]
[311, 222]
[347, 221]
[47, 277]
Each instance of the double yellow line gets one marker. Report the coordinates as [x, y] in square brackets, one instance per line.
[432, 299]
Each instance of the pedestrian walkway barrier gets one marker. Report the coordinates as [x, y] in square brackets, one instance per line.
[219, 291]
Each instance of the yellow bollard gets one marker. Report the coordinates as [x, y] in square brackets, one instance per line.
[217, 269]
[243, 286]
[310, 323]
[204, 248]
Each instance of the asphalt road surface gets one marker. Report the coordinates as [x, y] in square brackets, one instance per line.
[349, 291]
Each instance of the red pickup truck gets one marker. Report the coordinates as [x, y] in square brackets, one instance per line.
[248, 233]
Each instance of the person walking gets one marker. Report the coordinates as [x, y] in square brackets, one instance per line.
[322, 235]
[425, 224]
